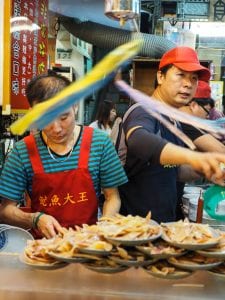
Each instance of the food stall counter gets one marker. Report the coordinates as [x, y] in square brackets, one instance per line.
[74, 281]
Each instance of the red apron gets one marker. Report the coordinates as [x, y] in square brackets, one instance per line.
[69, 196]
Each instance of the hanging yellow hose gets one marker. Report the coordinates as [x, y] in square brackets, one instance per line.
[44, 113]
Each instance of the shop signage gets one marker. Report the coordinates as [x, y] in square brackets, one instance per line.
[1, 50]
[5, 13]
[63, 54]
[29, 40]
[81, 46]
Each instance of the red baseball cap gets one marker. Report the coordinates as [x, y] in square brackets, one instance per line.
[203, 90]
[186, 59]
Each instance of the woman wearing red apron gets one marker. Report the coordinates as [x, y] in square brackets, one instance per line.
[63, 168]
[67, 196]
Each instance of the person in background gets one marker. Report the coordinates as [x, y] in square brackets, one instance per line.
[200, 106]
[63, 167]
[106, 121]
[203, 98]
[214, 113]
[105, 117]
[155, 156]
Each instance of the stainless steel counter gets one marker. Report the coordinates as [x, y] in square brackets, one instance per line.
[21, 282]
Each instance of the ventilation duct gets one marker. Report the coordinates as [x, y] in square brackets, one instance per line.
[107, 37]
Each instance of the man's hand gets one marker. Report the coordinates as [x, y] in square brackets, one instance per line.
[209, 164]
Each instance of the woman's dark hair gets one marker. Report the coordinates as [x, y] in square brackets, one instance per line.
[103, 113]
[45, 86]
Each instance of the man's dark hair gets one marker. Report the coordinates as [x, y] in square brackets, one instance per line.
[204, 101]
[163, 71]
[45, 86]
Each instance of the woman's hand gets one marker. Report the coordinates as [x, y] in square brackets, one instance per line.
[48, 226]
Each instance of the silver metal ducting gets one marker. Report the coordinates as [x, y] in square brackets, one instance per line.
[109, 38]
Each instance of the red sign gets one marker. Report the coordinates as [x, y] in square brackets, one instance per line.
[29, 40]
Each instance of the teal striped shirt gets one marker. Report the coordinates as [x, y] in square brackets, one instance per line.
[104, 166]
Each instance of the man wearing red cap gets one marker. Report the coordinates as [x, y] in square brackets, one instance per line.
[154, 153]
